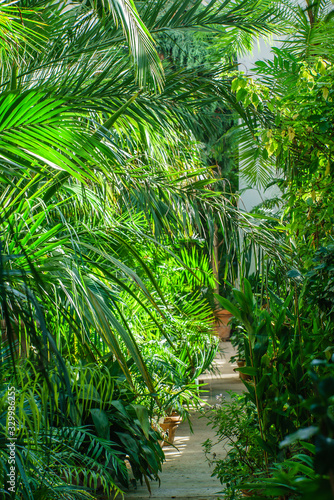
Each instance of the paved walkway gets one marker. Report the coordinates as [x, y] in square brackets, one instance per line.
[186, 475]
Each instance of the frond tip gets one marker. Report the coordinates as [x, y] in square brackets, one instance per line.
[141, 43]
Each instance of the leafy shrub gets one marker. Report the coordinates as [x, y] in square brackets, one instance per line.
[235, 422]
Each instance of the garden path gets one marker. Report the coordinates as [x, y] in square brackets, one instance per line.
[186, 474]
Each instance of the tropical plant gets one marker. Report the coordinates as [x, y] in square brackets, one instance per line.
[59, 178]
[276, 349]
[53, 457]
[288, 140]
[74, 442]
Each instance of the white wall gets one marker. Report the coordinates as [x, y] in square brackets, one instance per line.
[261, 50]
[252, 197]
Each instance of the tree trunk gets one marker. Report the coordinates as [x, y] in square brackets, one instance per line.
[215, 262]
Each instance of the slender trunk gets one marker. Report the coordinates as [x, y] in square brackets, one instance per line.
[214, 261]
[331, 480]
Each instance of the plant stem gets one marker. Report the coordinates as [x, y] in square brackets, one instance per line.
[214, 261]
[265, 455]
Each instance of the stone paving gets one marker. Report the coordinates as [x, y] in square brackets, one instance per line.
[186, 474]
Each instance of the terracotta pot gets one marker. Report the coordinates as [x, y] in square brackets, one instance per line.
[169, 426]
[243, 376]
[247, 493]
[222, 328]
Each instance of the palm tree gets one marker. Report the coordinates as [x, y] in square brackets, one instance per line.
[85, 135]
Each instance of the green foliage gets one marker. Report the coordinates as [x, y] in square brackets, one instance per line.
[279, 345]
[80, 439]
[308, 473]
[190, 50]
[290, 132]
[292, 478]
[56, 457]
[202, 53]
[185, 348]
[98, 154]
[272, 346]
[319, 282]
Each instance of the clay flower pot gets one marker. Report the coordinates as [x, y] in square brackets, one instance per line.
[243, 376]
[169, 426]
[222, 327]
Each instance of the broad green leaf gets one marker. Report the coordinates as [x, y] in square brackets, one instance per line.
[101, 422]
[143, 417]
